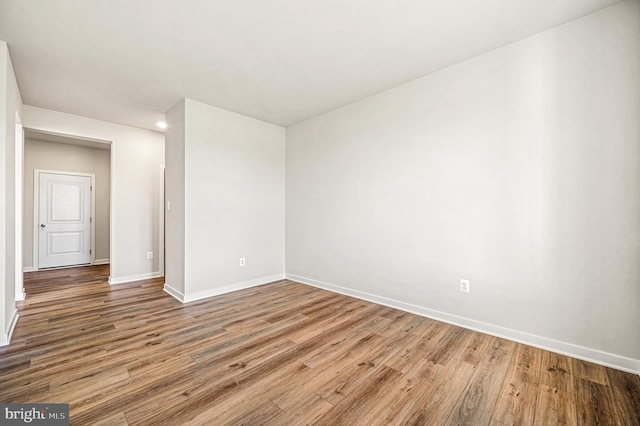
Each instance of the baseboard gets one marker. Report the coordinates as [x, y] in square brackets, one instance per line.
[20, 296]
[5, 339]
[29, 269]
[580, 352]
[132, 278]
[230, 288]
[173, 292]
[101, 262]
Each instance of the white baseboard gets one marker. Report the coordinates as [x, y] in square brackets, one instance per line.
[20, 296]
[587, 354]
[29, 269]
[173, 292]
[132, 278]
[101, 262]
[5, 339]
[226, 289]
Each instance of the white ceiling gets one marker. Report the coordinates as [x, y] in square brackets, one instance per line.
[282, 61]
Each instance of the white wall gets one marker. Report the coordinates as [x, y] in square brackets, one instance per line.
[10, 105]
[174, 191]
[518, 169]
[233, 200]
[136, 156]
[47, 155]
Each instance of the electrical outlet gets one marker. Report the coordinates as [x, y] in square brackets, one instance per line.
[242, 261]
[149, 255]
[465, 286]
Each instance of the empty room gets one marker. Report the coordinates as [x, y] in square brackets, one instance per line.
[320, 212]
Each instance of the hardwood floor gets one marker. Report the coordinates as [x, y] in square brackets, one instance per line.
[283, 354]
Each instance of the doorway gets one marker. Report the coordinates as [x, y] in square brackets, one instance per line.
[67, 201]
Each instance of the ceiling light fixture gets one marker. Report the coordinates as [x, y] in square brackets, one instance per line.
[161, 124]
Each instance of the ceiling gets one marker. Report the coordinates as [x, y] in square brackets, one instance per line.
[282, 61]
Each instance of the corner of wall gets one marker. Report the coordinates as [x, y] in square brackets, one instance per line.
[178, 295]
[5, 338]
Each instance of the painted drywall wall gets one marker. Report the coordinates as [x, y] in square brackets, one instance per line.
[136, 156]
[518, 170]
[46, 155]
[174, 195]
[233, 199]
[10, 105]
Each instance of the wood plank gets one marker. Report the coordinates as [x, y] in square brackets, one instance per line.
[339, 345]
[398, 321]
[595, 404]
[308, 411]
[590, 371]
[626, 394]
[282, 353]
[504, 344]
[555, 407]
[438, 395]
[557, 371]
[358, 403]
[397, 403]
[448, 345]
[418, 325]
[360, 366]
[475, 348]
[517, 401]
[260, 413]
[479, 397]
[516, 404]
[117, 419]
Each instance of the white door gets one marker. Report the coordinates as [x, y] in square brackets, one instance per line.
[65, 220]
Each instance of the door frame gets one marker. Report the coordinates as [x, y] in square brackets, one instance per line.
[161, 219]
[19, 195]
[36, 214]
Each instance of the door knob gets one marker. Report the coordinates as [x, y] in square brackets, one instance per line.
[42, 225]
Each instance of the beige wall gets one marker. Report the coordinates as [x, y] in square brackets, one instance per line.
[45, 155]
[517, 170]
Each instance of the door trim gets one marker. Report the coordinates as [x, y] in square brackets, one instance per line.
[19, 194]
[36, 213]
[161, 220]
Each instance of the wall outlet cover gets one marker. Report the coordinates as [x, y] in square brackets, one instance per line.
[465, 286]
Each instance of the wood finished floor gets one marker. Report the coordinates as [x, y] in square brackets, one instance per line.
[283, 354]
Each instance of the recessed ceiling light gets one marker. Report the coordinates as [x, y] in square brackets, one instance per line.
[161, 124]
